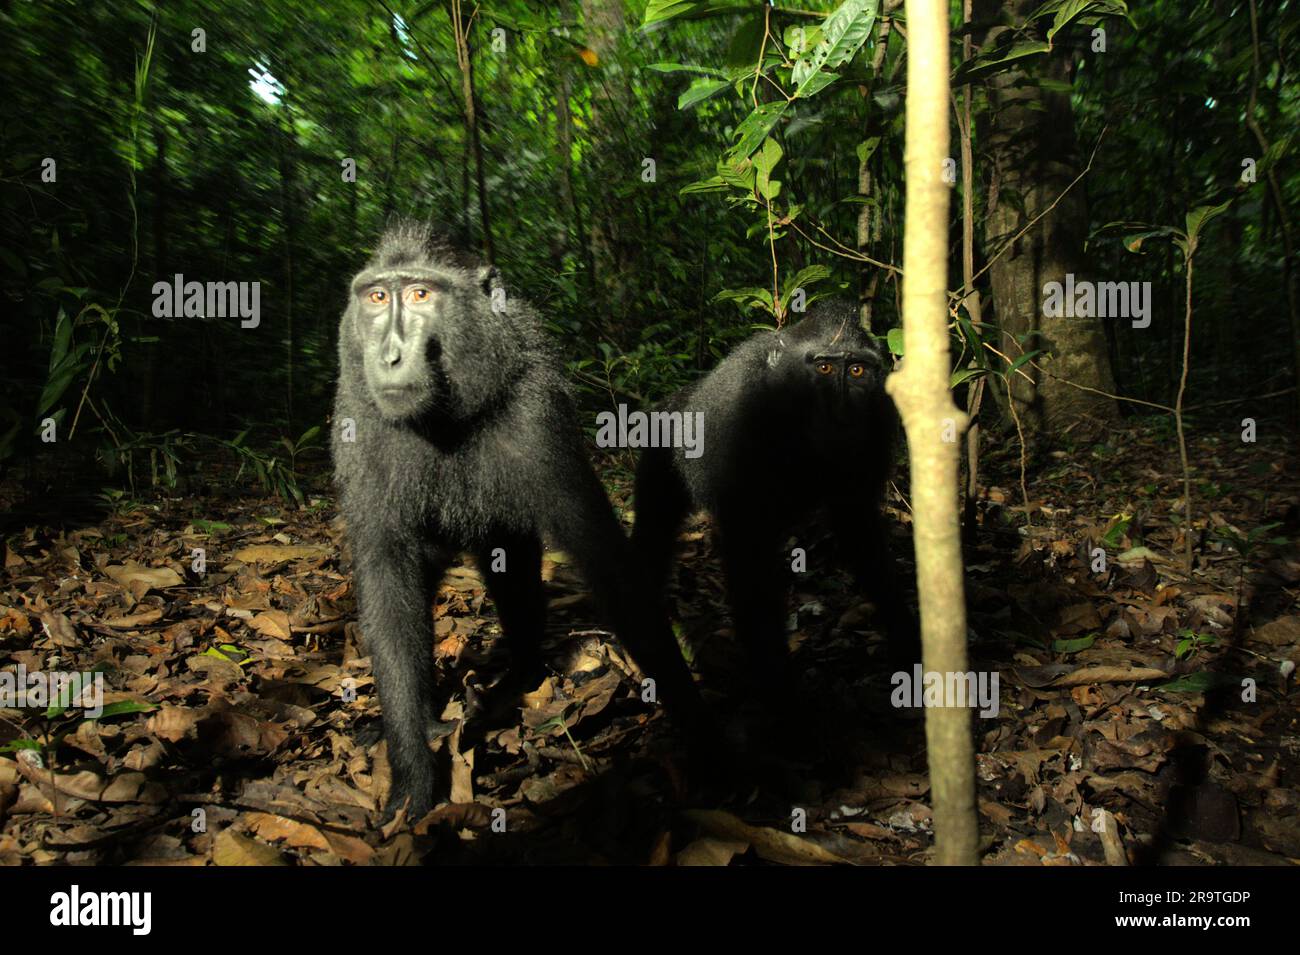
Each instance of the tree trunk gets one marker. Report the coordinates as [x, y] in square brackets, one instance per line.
[146, 385]
[1028, 136]
[289, 230]
[870, 217]
[933, 423]
[465, 59]
[970, 300]
[568, 217]
[1291, 294]
[604, 22]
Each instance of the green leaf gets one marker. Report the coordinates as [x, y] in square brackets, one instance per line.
[753, 297]
[816, 84]
[973, 338]
[61, 376]
[843, 33]
[867, 148]
[699, 91]
[1066, 11]
[1023, 359]
[1134, 242]
[1115, 534]
[998, 59]
[966, 374]
[657, 11]
[1198, 683]
[62, 339]
[1197, 218]
[686, 68]
[894, 338]
[801, 40]
[15, 745]
[738, 174]
[753, 129]
[765, 161]
[209, 527]
[806, 276]
[125, 707]
[1065, 14]
[712, 184]
[1074, 646]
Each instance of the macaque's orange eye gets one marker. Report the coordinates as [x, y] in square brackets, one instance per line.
[824, 368]
[418, 294]
[857, 371]
[377, 296]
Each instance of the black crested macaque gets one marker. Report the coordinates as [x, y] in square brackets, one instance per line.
[795, 422]
[454, 432]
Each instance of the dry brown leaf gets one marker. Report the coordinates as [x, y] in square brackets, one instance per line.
[231, 848]
[539, 697]
[1110, 675]
[462, 775]
[14, 621]
[277, 553]
[152, 578]
[91, 787]
[770, 844]
[131, 621]
[711, 851]
[300, 835]
[59, 629]
[173, 723]
[1104, 824]
[995, 812]
[273, 623]
[1078, 618]
[218, 670]
[230, 732]
[1281, 632]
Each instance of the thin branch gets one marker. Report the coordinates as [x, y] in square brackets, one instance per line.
[1178, 411]
[1034, 221]
[843, 251]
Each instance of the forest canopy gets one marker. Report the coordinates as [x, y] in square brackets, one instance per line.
[657, 177]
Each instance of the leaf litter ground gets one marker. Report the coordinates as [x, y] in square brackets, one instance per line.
[1145, 714]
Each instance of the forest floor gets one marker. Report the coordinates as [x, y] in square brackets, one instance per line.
[1145, 715]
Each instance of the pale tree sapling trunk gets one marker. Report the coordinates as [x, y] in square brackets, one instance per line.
[934, 424]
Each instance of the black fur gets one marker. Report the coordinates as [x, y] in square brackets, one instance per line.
[781, 443]
[478, 450]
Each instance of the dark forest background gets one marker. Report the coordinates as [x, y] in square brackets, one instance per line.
[221, 155]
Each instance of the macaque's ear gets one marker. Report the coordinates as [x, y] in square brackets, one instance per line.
[489, 278]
